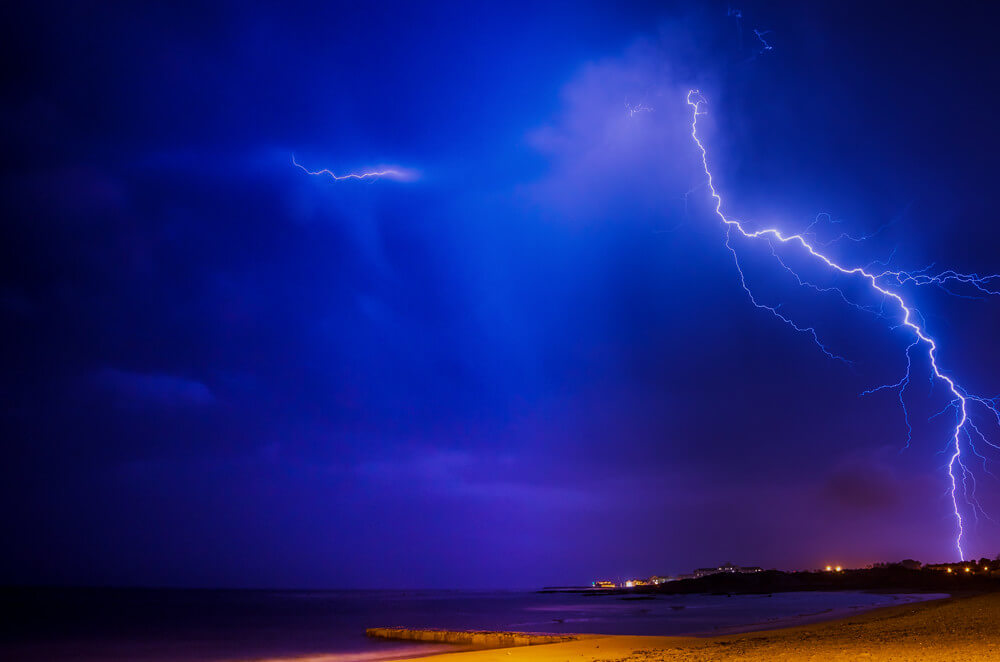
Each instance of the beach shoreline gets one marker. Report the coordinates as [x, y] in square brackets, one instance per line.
[961, 628]
[825, 616]
[598, 647]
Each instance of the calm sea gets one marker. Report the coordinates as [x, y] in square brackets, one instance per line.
[189, 625]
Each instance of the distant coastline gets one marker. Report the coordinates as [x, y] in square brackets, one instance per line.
[890, 579]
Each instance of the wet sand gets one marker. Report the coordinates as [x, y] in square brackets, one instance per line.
[958, 629]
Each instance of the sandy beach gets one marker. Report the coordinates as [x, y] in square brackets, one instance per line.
[958, 629]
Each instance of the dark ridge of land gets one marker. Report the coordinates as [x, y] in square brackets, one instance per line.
[894, 579]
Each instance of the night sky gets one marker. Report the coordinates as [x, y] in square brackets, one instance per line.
[533, 363]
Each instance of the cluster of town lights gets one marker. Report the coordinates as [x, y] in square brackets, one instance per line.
[837, 568]
[729, 568]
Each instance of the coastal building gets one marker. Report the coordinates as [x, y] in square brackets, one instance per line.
[655, 580]
[909, 564]
[943, 567]
[726, 568]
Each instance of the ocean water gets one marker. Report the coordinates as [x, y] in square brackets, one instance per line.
[211, 625]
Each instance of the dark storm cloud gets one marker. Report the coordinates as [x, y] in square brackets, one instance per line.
[135, 389]
[866, 483]
[72, 191]
[532, 365]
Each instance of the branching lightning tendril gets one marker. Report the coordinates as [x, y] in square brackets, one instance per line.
[965, 432]
[634, 110]
[765, 46]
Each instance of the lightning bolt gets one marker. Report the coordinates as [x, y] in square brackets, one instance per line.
[389, 173]
[882, 283]
[637, 108]
[764, 45]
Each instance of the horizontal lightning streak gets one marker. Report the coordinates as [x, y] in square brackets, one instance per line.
[363, 175]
